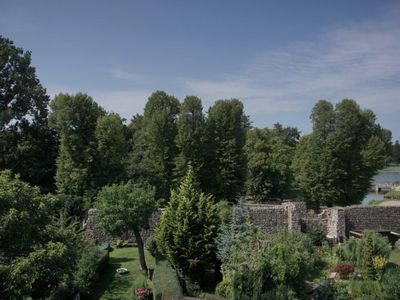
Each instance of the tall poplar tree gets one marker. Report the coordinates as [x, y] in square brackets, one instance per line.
[226, 160]
[190, 139]
[159, 133]
[74, 117]
[112, 149]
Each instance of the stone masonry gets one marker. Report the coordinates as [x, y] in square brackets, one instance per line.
[337, 221]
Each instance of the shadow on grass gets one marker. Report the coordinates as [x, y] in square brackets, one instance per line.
[112, 283]
[119, 260]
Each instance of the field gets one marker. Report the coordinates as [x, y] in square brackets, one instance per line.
[113, 286]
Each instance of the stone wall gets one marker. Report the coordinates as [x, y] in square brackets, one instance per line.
[337, 221]
[269, 217]
[98, 235]
[372, 217]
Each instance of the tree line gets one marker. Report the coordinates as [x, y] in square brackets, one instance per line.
[78, 147]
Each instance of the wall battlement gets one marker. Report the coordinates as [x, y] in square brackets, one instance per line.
[337, 221]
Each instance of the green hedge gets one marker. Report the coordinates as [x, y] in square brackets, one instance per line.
[165, 282]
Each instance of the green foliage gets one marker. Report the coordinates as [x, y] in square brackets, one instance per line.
[316, 234]
[393, 194]
[224, 210]
[126, 207]
[31, 275]
[231, 231]
[336, 162]
[157, 141]
[190, 140]
[24, 213]
[375, 202]
[365, 290]
[391, 283]
[362, 252]
[225, 139]
[262, 266]
[27, 146]
[269, 157]
[187, 229]
[74, 118]
[165, 282]
[112, 150]
[396, 152]
[151, 246]
[123, 207]
[88, 268]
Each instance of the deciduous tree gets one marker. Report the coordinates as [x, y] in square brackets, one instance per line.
[269, 157]
[226, 136]
[124, 207]
[190, 139]
[336, 162]
[27, 145]
[74, 117]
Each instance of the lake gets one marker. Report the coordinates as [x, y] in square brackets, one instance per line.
[382, 177]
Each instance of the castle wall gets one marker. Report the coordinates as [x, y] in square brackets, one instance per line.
[269, 218]
[372, 217]
[337, 221]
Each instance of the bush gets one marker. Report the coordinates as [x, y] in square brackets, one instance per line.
[262, 266]
[365, 290]
[151, 246]
[165, 282]
[336, 290]
[391, 283]
[91, 263]
[344, 270]
[316, 234]
[361, 252]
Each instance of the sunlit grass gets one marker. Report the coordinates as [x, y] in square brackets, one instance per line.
[112, 286]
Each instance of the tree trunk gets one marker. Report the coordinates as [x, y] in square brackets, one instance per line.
[139, 242]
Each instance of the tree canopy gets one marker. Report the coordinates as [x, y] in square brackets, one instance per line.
[74, 117]
[27, 145]
[125, 207]
[269, 157]
[226, 137]
[334, 164]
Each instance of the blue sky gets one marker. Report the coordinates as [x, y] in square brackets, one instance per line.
[278, 57]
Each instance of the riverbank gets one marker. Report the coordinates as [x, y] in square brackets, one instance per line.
[390, 169]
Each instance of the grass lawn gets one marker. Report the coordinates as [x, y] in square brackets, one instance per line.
[391, 169]
[114, 286]
[395, 256]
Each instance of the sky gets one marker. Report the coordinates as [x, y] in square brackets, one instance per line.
[278, 57]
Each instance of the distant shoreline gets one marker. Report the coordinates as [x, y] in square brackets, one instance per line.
[390, 169]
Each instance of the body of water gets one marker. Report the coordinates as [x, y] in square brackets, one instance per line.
[382, 177]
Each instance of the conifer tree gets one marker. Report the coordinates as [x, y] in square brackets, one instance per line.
[188, 228]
